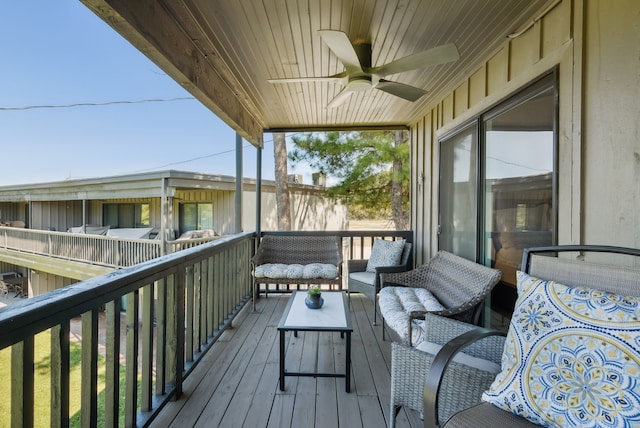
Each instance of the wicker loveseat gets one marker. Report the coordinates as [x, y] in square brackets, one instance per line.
[297, 259]
[570, 358]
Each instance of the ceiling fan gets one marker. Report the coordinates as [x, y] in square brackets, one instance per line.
[359, 75]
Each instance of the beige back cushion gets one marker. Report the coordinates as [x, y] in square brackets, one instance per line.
[623, 280]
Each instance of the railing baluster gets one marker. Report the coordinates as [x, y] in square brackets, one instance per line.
[22, 386]
[210, 297]
[147, 347]
[161, 334]
[172, 346]
[60, 365]
[204, 296]
[131, 360]
[89, 367]
[217, 293]
[112, 363]
[180, 350]
[197, 313]
[189, 313]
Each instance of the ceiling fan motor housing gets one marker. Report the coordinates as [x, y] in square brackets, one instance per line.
[360, 83]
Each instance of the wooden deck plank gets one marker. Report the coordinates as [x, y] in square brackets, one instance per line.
[327, 401]
[244, 395]
[361, 371]
[236, 384]
[282, 411]
[264, 399]
[202, 383]
[231, 379]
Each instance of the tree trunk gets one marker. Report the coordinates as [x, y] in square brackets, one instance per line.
[282, 187]
[400, 217]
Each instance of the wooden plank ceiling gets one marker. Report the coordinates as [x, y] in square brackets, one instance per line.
[225, 51]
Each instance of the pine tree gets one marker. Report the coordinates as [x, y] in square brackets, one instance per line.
[372, 169]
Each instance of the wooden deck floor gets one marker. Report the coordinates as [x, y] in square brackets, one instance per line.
[236, 385]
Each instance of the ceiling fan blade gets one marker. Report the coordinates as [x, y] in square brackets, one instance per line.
[409, 93]
[340, 98]
[438, 55]
[340, 45]
[340, 77]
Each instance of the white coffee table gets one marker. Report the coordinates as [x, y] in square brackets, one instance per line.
[332, 316]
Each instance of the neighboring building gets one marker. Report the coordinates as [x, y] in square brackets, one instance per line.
[139, 210]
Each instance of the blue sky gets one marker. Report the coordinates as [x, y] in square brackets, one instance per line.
[57, 53]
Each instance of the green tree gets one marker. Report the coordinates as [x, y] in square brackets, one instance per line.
[372, 169]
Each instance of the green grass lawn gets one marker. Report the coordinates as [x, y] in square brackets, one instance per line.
[43, 384]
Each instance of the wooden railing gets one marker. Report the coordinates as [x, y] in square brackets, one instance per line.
[176, 307]
[94, 249]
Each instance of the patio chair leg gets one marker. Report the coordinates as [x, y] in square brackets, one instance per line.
[375, 313]
[393, 414]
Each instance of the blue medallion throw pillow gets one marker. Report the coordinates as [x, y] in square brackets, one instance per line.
[385, 253]
[571, 357]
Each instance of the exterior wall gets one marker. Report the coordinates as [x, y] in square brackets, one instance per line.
[310, 210]
[42, 282]
[599, 144]
[611, 127]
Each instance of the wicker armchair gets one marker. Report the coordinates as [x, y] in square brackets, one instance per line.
[409, 367]
[368, 283]
[458, 284]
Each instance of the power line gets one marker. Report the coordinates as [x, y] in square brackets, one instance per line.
[150, 100]
[107, 103]
[211, 155]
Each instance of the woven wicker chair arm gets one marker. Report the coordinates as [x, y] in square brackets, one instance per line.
[434, 376]
[356, 265]
[440, 329]
[394, 278]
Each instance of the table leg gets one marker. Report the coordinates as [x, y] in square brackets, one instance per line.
[347, 379]
[281, 360]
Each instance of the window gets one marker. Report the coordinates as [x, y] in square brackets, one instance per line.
[196, 216]
[497, 181]
[125, 215]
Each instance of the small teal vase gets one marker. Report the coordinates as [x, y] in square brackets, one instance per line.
[315, 303]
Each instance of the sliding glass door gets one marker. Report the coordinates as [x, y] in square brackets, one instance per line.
[497, 182]
[458, 228]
